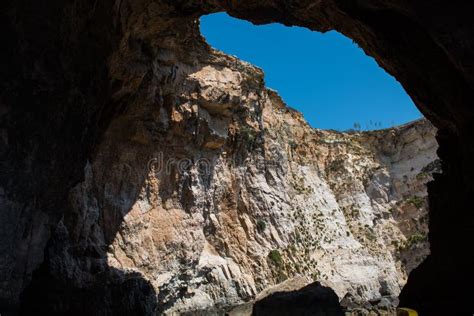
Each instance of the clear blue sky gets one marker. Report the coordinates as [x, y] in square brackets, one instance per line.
[325, 76]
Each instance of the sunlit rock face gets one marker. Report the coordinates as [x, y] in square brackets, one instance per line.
[226, 192]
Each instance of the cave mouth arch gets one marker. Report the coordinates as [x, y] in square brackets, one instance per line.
[426, 45]
[408, 42]
[325, 76]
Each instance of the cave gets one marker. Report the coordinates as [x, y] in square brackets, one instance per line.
[75, 74]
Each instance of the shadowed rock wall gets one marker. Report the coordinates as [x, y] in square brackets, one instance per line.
[69, 69]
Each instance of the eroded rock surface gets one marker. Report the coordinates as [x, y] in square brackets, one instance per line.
[226, 192]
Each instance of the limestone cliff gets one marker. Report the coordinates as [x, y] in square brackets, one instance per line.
[226, 192]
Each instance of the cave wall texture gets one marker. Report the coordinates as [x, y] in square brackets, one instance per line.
[70, 68]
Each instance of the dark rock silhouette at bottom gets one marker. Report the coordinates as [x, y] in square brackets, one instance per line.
[313, 299]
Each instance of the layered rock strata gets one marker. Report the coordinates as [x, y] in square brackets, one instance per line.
[226, 192]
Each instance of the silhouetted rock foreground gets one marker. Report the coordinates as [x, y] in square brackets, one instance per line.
[312, 300]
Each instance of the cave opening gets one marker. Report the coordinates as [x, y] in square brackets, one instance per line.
[326, 76]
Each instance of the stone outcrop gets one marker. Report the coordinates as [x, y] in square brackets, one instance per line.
[313, 299]
[84, 83]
